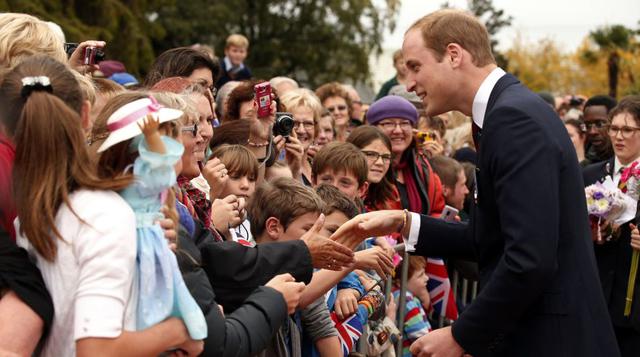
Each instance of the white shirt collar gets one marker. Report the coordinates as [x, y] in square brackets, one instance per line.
[617, 165]
[481, 99]
[228, 65]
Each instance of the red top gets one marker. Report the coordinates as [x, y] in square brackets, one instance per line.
[7, 206]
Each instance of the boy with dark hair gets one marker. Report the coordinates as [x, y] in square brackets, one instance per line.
[284, 210]
[344, 166]
[453, 178]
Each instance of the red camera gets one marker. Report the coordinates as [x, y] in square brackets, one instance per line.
[263, 98]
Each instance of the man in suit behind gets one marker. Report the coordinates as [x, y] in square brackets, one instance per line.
[540, 294]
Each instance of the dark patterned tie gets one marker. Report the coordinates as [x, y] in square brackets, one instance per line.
[475, 131]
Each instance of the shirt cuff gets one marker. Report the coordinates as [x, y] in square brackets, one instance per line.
[414, 231]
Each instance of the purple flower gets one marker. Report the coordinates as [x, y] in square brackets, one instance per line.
[598, 195]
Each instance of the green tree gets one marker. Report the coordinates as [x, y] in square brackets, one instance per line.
[494, 20]
[312, 40]
[123, 24]
[611, 41]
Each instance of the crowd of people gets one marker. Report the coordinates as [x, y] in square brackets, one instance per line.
[169, 216]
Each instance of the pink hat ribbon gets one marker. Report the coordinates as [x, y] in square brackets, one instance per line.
[133, 117]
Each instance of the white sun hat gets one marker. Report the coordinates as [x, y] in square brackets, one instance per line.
[123, 123]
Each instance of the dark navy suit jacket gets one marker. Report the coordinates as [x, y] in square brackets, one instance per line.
[540, 293]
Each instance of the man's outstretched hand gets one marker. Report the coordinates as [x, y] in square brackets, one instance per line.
[371, 224]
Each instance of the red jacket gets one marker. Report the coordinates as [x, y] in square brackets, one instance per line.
[7, 206]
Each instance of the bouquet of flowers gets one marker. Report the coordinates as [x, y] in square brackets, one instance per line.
[608, 205]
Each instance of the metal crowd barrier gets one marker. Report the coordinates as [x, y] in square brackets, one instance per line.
[468, 292]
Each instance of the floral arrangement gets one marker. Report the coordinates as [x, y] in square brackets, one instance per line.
[603, 202]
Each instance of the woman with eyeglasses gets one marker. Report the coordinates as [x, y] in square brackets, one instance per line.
[614, 254]
[376, 147]
[306, 110]
[419, 188]
[336, 100]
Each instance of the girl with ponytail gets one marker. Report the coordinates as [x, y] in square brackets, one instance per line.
[81, 233]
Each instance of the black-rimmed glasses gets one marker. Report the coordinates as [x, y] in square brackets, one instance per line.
[373, 156]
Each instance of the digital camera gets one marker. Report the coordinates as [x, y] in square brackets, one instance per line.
[283, 124]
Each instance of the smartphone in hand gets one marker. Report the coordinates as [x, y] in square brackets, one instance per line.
[449, 214]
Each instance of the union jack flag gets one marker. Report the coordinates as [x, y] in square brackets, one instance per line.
[439, 286]
[349, 331]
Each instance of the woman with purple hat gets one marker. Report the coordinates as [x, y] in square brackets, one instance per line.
[419, 188]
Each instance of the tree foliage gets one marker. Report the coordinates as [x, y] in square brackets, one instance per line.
[542, 65]
[312, 40]
[612, 41]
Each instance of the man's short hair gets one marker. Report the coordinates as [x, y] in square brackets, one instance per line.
[341, 157]
[442, 27]
[237, 40]
[601, 99]
[283, 198]
[397, 54]
[447, 169]
[335, 200]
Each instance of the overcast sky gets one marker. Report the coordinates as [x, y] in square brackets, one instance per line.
[566, 21]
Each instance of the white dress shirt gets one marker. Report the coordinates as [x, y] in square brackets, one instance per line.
[478, 110]
[617, 166]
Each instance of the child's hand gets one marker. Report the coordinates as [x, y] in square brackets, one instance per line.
[635, 237]
[149, 125]
[375, 258]
[346, 303]
[216, 175]
[225, 213]
[291, 291]
[392, 307]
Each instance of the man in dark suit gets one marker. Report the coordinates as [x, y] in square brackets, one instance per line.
[540, 294]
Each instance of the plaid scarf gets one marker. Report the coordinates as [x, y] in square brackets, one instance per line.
[197, 204]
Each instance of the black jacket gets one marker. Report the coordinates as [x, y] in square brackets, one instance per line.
[540, 294]
[252, 313]
[614, 261]
[244, 332]
[19, 274]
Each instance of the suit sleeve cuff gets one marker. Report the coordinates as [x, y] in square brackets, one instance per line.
[411, 241]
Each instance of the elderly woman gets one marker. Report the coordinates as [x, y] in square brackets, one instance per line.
[419, 188]
[306, 110]
[336, 100]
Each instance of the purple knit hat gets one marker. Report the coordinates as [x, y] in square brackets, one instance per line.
[392, 106]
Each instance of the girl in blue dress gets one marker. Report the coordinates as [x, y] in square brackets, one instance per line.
[144, 137]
